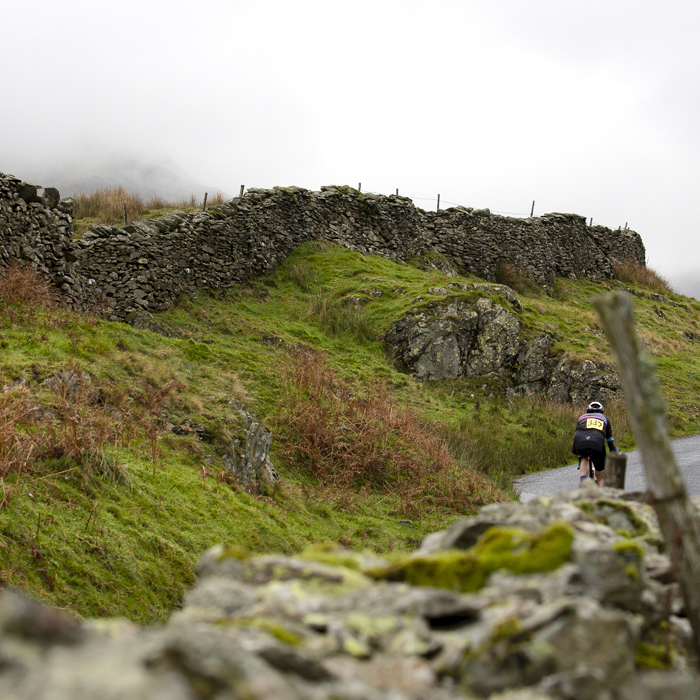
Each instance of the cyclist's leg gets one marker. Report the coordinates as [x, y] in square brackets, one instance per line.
[598, 459]
[585, 466]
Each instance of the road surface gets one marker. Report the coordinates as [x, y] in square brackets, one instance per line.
[687, 451]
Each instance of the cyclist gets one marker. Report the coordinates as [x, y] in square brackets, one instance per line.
[593, 432]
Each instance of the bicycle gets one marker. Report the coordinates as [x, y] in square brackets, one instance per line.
[587, 454]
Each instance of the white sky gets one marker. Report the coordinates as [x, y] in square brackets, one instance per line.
[588, 107]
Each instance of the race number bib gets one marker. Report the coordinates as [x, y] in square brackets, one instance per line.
[594, 424]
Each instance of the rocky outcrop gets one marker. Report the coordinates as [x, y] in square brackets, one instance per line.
[569, 598]
[583, 382]
[145, 266]
[472, 336]
[247, 457]
[461, 336]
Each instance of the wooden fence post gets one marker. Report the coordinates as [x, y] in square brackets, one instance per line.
[124, 213]
[438, 206]
[204, 204]
[359, 187]
[666, 488]
[615, 470]
[242, 188]
[532, 211]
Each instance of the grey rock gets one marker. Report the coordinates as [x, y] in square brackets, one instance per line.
[496, 341]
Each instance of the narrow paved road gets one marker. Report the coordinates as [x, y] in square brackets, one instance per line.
[687, 451]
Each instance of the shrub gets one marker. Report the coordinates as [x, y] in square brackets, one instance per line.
[67, 428]
[22, 284]
[350, 441]
[631, 272]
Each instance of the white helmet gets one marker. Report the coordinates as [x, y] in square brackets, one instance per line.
[595, 407]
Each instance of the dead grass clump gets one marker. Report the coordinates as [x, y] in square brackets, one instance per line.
[67, 423]
[23, 291]
[351, 440]
[631, 272]
[106, 205]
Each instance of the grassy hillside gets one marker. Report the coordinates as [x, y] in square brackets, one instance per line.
[104, 509]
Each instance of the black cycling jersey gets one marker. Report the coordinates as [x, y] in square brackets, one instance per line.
[593, 431]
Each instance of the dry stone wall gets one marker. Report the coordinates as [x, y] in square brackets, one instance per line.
[36, 226]
[145, 266]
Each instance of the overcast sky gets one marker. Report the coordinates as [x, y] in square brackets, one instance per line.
[588, 107]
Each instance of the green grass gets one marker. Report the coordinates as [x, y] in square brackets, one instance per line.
[129, 548]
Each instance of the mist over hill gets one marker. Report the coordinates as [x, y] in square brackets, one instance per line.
[152, 174]
[686, 283]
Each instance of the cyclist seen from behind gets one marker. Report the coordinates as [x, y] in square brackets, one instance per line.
[593, 431]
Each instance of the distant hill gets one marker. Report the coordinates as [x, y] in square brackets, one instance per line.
[153, 175]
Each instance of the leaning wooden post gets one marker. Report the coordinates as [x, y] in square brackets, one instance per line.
[204, 205]
[645, 404]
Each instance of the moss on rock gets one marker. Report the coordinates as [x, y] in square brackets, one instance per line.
[498, 548]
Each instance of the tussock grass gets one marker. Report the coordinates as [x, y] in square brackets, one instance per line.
[106, 206]
[24, 293]
[341, 316]
[632, 272]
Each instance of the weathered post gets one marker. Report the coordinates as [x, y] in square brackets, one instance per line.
[532, 211]
[124, 204]
[438, 206]
[667, 492]
[242, 188]
[615, 470]
[590, 223]
[397, 191]
[204, 204]
[359, 187]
